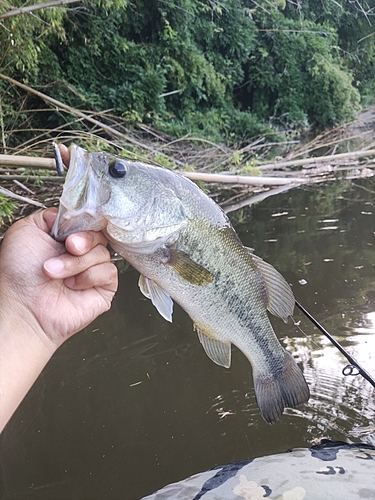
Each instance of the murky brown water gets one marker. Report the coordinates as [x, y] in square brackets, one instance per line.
[133, 402]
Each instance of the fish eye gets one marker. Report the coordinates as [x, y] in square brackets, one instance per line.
[117, 169]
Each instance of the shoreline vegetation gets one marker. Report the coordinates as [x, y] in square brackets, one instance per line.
[227, 93]
[233, 177]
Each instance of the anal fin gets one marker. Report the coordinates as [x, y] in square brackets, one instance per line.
[161, 300]
[219, 352]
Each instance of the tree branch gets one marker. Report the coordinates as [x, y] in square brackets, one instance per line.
[60, 105]
[31, 8]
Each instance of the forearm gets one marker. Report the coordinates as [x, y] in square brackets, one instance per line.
[23, 355]
[48, 292]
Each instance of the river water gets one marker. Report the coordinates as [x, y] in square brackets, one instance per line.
[133, 403]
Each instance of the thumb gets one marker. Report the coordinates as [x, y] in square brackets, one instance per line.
[43, 219]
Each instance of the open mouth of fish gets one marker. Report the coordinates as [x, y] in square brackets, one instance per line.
[78, 210]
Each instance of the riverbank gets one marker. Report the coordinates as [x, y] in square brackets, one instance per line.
[229, 175]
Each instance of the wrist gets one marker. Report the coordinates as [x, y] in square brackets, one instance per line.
[23, 355]
[20, 324]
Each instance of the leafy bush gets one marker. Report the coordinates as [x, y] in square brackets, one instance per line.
[224, 71]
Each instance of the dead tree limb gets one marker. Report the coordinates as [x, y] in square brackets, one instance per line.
[77, 112]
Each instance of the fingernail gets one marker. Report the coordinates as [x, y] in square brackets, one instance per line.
[54, 266]
[79, 242]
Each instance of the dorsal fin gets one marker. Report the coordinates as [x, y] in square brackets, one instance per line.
[280, 299]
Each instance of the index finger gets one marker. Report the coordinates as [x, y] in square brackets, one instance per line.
[81, 243]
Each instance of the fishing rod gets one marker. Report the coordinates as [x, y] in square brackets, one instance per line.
[349, 369]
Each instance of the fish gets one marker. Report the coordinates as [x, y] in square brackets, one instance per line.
[187, 251]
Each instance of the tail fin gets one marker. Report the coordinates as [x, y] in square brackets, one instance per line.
[275, 392]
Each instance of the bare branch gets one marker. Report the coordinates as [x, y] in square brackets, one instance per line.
[32, 8]
[77, 112]
[241, 179]
[10, 194]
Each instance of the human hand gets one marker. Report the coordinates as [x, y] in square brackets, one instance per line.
[55, 289]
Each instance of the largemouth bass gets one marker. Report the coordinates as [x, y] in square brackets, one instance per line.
[187, 251]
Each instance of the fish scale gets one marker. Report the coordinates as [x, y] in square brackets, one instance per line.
[186, 251]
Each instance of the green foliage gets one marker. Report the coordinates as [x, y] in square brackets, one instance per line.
[7, 209]
[224, 70]
[215, 125]
[25, 41]
[333, 98]
[191, 48]
[296, 77]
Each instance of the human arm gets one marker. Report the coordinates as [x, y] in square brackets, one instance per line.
[43, 301]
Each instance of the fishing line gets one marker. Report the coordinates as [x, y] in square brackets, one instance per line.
[354, 368]
[297, 324]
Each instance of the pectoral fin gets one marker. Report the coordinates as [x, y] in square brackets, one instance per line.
[160, 299]
[219, 352]
[280, 299]
[188, 269]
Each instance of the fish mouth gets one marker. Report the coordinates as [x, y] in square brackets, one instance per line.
[66, 225]
[81, 199]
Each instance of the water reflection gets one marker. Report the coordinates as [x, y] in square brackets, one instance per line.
[133, 403]
[340, 405]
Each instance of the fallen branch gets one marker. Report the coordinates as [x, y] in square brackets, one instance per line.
[32, 162]
[86, 117]
[32, 178]
[241, 179]
[10, 194]
[49, 164]
[254, 198]
[22, 186]
[305, 161]
[27, 162]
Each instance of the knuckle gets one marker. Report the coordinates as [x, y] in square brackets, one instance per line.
[108, 304]
[72, 264]
[98, 238]
[103, 252]
[78, 262]
[86, 279]
[102, 239]
[113, 274]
